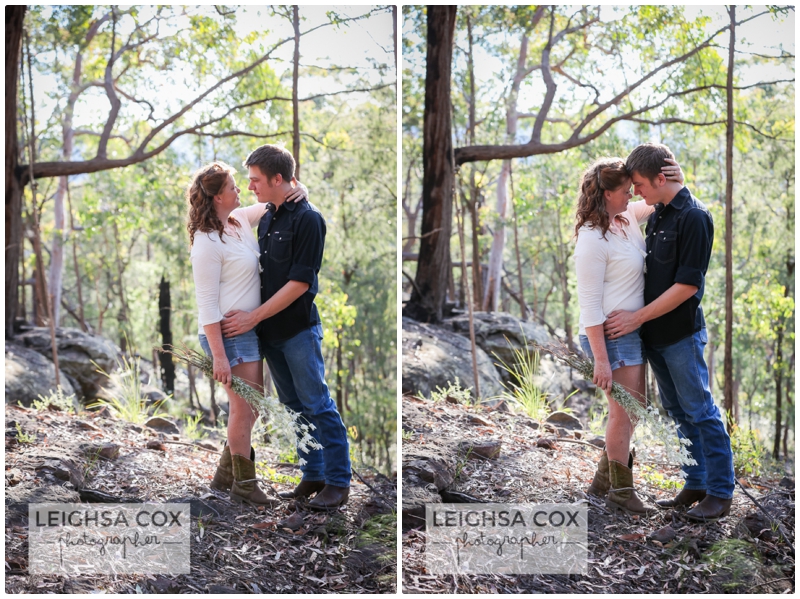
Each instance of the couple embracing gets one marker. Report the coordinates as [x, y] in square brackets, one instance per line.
[255, 297]
[640, 299]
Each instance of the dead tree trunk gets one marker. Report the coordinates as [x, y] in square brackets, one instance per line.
[165, 358]
[433, 268]
[728, 359]
[295, 103]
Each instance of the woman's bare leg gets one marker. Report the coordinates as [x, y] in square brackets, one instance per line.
[242, 417]
[619, 429]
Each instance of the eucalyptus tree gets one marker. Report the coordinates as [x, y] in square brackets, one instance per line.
[120, 61]
[576, 101]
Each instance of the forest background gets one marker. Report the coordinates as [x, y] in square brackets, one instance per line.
[129, 101]
[525, 97]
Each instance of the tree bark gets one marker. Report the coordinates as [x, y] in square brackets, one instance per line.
[433, 268]
[728, 359]
[491, 295]
[165, 358]
[339, 368]
[15, 16]
[78, 284]
[474, 198]
[68, 142]
[778, 377]
[521, 300]
[295, 80]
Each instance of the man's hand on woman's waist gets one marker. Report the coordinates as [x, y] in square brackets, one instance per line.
[237, 322]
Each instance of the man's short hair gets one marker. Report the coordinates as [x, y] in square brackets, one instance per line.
[272, 160]
[647, 160]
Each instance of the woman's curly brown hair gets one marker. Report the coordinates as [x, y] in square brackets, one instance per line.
[207, 182]
[603, 174]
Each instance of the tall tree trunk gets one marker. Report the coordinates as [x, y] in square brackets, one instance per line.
[778, 377]
[491, 295]
[37, 241]
[165, 358]
[710, 359]
[433, 266]
[789, 411]
[78, 284]
[474, 200]
[339, 368]
[728, 359]
[295, 79]
[15, 16]
[737, 384]
[522, 308]
[68, 142]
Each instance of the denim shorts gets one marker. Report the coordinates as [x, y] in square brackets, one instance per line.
[239, 349]
[627, 350]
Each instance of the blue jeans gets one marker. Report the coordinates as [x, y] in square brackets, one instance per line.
[298, 371]
[682, 377]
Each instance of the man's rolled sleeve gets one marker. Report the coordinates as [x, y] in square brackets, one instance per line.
[309, 244]
[695, 248]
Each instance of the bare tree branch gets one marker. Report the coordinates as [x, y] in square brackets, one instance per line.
[101, 162]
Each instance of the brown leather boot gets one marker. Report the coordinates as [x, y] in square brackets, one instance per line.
[601, 483]
[305, 489]
[330, 497]
[223, 477]
[710, 509]
[683, 499]
[626, 499]
[247, 492]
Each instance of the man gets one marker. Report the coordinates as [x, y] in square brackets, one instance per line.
[291, 240]
[679, 237]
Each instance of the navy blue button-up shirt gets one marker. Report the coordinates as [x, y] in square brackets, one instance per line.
[290, 242]
[679, 238]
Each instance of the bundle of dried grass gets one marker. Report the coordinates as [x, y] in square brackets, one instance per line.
[664, 431]
[264, 404]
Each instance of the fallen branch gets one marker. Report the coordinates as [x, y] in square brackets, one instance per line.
[771, 518]
[374, 490]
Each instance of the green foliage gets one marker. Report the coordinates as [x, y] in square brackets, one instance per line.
[128, 403]
[381, 531]
[57, 399]
[521, 388]
[192, 428]
[130, 222]
[738, 561]
[598, 419]
[748, 452]
[274, 476]
[454, 390]
[653, 477]
[24, 437]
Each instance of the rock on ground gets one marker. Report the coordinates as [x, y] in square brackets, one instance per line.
[29, 374]
[434, 357]
[79, 355]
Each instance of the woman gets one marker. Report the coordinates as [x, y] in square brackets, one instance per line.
[609, 261]
[226, 276]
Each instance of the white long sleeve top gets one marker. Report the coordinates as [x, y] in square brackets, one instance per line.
[226, 275]
[610, 271]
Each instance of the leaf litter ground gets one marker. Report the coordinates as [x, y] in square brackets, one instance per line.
[663, 553]
[234, 548]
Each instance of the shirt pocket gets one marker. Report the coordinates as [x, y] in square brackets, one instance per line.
[281, 246]
[666, 246]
